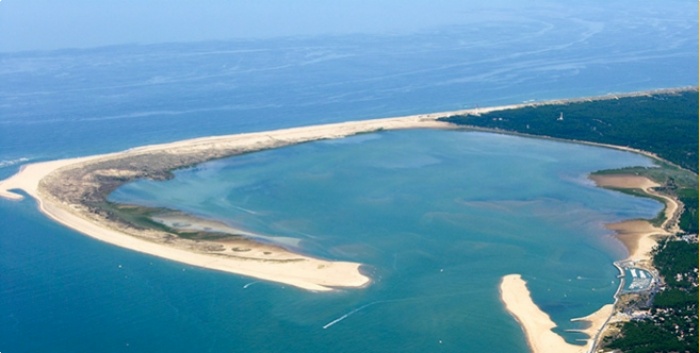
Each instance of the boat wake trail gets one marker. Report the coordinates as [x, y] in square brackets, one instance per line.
[411, 299]
[345, 316]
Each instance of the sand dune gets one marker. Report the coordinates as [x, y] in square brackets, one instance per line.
[302, 271]
[258, 260]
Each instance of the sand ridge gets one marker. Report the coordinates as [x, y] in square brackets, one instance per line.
[536, 324]
[640, 236]
[279, 265]
[306, 272]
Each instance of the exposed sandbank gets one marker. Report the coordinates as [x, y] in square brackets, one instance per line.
[45, 182]
[279, 265]
[640, 236]
[537, 325]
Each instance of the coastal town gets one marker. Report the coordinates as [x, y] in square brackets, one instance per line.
[656, 302]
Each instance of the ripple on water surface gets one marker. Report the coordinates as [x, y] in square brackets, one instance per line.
[437, 217]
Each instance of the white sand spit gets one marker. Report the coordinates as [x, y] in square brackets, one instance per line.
[278, 265]
[536, 324]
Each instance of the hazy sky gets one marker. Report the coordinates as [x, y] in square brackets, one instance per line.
[51, 24]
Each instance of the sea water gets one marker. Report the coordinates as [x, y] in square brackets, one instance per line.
[435, 217]
[63, 292]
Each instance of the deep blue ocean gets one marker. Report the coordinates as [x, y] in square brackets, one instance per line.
[502, 204]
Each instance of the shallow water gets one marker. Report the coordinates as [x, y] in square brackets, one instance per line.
[436, 217]
[63, 292]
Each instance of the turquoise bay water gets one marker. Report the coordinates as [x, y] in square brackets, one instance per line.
[63, 292]
[437, 217]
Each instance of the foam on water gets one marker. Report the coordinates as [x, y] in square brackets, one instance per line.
[71, 103]
[11, 162]
[426, 216]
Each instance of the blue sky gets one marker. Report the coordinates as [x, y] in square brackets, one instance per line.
[51, 24]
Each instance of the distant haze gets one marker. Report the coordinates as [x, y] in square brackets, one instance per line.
[46, 25]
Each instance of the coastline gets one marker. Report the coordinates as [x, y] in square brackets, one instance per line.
[279, 265]
[537, 325]
[639, 236]
[304, 274]
[45, 181]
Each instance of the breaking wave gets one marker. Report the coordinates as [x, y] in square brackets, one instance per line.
[11, 162]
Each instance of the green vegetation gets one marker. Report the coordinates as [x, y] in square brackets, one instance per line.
[660, 217]
[677, 262]
[673, 327]
[663, 124]
[137, 216]
[689, 218]
[141, 217]
[675, 181]
[664, 174]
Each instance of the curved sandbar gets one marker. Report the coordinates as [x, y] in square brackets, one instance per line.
[640, 236]
[73, 192]
[537, 325]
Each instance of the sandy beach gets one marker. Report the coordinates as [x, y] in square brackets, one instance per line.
[640, 236]
[278, 264]
[537, 325]
[257, 260]
[307, 273]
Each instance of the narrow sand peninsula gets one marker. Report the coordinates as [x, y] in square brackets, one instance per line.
[537, 325]
[640, 236]
[68, 190]
[300, 271]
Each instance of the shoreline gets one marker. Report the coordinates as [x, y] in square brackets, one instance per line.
[637, 235]
[45, 181]
[59, 186]
[537, 325]
[639, 238]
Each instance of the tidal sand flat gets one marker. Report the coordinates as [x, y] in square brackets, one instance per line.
[431, 290]
[640, 236]
[73, 193]
[503, 192]
[538, 326]
[437, 217]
